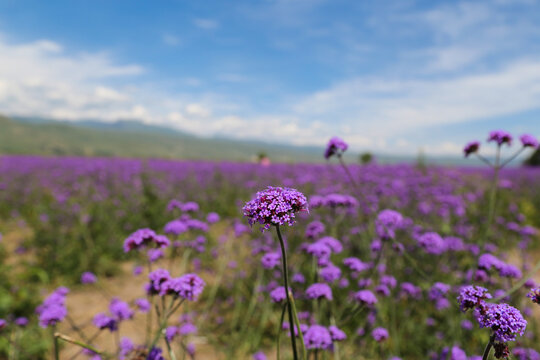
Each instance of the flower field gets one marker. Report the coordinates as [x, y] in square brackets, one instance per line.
[109, 258]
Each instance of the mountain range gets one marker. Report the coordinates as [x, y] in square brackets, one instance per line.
[133, 139]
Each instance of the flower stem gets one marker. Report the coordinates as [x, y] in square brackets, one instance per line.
[348, 172]
[286, 281]
[300, 335]
[279, 329]
[488, 347]
[56, 345]
[71, 341]
[169, 348]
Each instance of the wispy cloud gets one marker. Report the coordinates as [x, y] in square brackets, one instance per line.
[170, 39]
[206, 24]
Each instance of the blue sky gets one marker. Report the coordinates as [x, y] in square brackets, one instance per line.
[388, 76]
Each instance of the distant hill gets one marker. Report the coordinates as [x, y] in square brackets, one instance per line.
[133, 139]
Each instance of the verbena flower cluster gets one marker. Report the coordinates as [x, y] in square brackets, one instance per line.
[188, 286]
[53, 309]
[336, 146]
[143, 238]
[275, 206]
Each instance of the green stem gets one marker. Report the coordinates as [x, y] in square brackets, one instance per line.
[336, 344]
[512, 157]
[300, 335]
[70, 340]
[286, 281]
[171, 352]
[56, 345]
[166, 315]
[347, 171]
[488, 347]
[279, 329]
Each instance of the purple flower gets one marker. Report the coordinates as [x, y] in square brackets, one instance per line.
[187, 329]
[190, 206]
[466, 325]
[340, 200]
[175, 227]
[278, 294]
[320, 251]
[120, 310]
[188, 286]
[379, 334]
[155, 354]
[365, 297]
[144, 237]
[88, 278]
[275, 206]
[432, 243]
[438, 290]
[212, 218]
[314, 229]
[471, 148]
[500, 137]
[355, 264]
[102, 321]
[317, 337]
[505, 321]
[457, 353]
[143, 305]
[472, 296]
[21, 321]
[319, 290]
[154, 255]
[387, 222]
[137, 270]
[259, 355]
[388, 280]
[126, 346]
[270, 260]
[53, 309]
[508, 270]
[174, 204]
[529, 141]
[382, 290]
[330, 273]
[194, 224]
[332, 243]
[3, 324]
[190, 348]
[335, 146]
[526, 354]
[171, 332]
[534, 295]
[298, 278]
[488, 261]
[336, 334]
[157, 278]
[411, 290]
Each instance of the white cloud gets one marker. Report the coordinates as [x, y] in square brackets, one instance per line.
[170, 39]
[206, 24]
[197, 110]
[384, 107]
